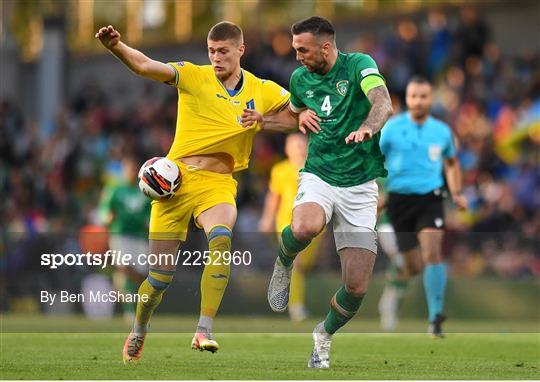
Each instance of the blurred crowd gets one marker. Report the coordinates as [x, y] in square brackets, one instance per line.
[491, 100]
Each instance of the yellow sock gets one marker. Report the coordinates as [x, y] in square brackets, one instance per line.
[298, 287]
[216, 274]
[153, 286]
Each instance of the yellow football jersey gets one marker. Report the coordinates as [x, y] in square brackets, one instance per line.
[208, 119]
[284, 182]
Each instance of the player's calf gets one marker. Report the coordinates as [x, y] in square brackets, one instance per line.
[152, 288]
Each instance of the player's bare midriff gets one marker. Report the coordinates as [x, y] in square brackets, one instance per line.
[219, 162]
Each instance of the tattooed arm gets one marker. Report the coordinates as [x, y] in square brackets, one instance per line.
[381, 110]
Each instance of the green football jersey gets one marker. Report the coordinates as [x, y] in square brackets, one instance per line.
[339, 101]
[130, 210]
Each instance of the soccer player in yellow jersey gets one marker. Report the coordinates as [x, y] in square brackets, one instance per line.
[209, 145]
[277, 214]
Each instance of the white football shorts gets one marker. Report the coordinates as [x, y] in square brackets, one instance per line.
[352, 210]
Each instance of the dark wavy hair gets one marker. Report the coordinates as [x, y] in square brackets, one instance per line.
[316, 25]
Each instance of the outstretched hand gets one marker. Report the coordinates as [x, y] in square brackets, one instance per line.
[108, 36]
[361, 135]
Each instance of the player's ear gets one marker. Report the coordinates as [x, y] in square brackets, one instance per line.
[325, 47]
[241, 49]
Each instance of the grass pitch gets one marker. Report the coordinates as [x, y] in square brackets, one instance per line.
[258, 355]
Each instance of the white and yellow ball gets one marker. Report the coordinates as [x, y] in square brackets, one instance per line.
[159, 178]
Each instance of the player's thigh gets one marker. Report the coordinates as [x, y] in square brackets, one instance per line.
[355, 216]
[163, 254]
[215, 200]
[356, 269]
[431, 213]
[430, 240]
[313, 206]
[430, 225]
[169, 218]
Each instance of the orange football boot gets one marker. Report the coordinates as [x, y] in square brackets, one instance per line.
[133, 348]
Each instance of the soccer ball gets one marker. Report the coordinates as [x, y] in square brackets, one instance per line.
[159, 178]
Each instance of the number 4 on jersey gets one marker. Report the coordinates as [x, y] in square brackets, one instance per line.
[326, 106]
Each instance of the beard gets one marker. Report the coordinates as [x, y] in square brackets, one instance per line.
[319, 67]
[420, 114]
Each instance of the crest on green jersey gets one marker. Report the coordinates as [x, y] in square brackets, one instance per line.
[342, 87]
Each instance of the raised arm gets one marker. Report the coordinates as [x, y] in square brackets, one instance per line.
[135, 60]
[381, 110]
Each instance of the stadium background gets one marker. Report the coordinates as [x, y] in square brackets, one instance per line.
[69, 111]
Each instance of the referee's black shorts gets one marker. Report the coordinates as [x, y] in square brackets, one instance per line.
[410, 213]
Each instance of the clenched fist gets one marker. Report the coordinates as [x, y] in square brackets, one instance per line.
[108, 36]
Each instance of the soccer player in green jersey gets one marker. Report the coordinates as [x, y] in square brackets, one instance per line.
[342, 101]
[126, 212]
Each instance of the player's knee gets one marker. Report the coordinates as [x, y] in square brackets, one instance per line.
[160, 279]
[304, 230]
[356, 288]
[220, 235]
[433, 257]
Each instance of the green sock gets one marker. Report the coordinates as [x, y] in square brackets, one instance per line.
[399, 285]
[290, 247]
[130, 288]
[343, 307]
[396, 277]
